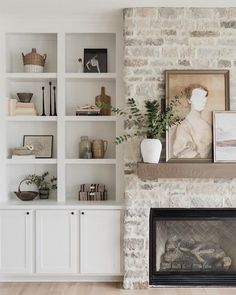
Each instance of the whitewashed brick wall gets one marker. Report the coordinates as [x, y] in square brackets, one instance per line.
[157, 39]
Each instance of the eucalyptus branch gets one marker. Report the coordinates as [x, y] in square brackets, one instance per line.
[153, 122]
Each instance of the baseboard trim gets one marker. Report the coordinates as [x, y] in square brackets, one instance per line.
[69, 278]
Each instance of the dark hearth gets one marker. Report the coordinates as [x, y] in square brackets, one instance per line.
[193, 247]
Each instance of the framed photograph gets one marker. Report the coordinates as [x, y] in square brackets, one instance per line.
[199, 92]
[95, 60]
[224, 131]
[42, 144]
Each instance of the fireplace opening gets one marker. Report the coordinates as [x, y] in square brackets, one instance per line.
[192, 247]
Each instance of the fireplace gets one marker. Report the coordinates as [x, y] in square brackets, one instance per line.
[192, 247]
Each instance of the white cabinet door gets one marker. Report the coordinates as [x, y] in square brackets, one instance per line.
[56, 241]
[16, 248]
[100, 241]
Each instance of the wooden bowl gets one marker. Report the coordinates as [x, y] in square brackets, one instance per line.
[26, 195]
[24, 96]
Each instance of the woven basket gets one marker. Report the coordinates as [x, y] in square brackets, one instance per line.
[25, 195]
[33, 61]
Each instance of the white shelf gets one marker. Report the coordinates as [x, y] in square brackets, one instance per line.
[72, 204]
[31, 118]
[30, 77]
[91, 161]
[30, 161]
[87, 76]
[91, 118]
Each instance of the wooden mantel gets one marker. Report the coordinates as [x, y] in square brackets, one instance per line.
[186, 170]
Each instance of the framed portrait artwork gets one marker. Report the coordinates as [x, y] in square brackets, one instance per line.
[224, 131]
[95, 60]
[200, 93]
[42, 144]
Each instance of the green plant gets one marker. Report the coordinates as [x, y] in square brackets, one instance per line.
[150, 123]
[42, 181]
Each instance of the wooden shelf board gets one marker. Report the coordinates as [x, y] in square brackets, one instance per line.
[186, 170]
[90, 118]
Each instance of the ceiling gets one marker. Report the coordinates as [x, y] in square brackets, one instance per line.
[101, 8]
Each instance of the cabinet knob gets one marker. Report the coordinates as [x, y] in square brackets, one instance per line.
[72, 213]
[27, 213]
[82, 213]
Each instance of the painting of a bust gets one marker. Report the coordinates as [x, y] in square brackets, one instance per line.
[202, 93]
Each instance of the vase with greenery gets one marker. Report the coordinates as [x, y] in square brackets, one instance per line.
[43, 182]
[148, 124]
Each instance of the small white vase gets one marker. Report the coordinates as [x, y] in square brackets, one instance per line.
[151, 150]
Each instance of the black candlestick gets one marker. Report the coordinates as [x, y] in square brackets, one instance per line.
[55, 103]
[43, 111]
[50, 112]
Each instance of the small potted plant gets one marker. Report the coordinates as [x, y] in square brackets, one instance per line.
[44, 183]
[148, 124]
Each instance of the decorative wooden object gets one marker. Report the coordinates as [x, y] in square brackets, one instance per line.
[186, 170]
[106, 99]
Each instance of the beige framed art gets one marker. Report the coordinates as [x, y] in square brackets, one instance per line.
[200, 93]
[224, 131]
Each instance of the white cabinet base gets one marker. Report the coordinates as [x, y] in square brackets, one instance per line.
[16, 241]
[56, 241]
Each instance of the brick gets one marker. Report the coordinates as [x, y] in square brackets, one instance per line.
[184, 62]
[229, 24]
[128, 12]
[224, 63]
[145, 12]
[169, 32]
[169, 12]
[135, 62]
[134, 244]
[153, 41]
[204, 34]
[201, 12]
[133, 42]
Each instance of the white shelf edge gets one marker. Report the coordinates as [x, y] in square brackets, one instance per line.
[91, 161]
[90, 118]
[90, 75]
[52, 203]
[31, 118]
[30, 161]
[30, 76]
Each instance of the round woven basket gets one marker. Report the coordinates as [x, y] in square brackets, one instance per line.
[33, 61]
[25, 195]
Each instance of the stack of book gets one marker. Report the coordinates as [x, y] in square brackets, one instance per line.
[21, 108]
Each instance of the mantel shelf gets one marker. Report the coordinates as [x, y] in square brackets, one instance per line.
[148, 171]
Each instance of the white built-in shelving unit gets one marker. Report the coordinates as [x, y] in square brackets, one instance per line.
[63, 50]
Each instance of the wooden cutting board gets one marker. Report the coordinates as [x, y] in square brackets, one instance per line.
[106, 99]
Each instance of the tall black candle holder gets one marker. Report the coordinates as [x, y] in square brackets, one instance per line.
[55, 102]
[50, 110]
[43, 103]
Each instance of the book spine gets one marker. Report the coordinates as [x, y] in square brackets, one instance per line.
[12, 107]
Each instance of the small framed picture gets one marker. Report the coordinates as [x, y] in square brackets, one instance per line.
[42, 145]
[95, 60]
[224, 124]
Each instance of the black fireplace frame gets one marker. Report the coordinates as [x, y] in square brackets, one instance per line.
[159, 278]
